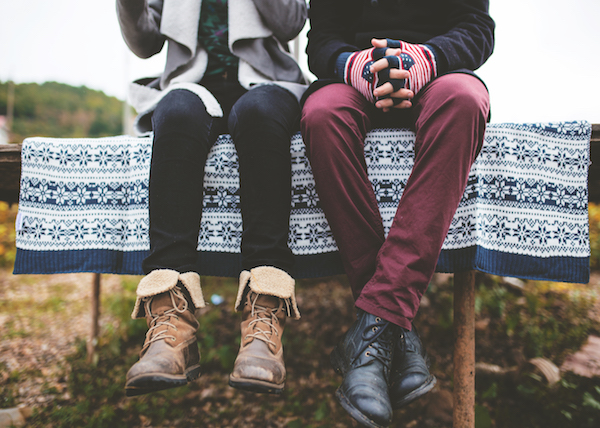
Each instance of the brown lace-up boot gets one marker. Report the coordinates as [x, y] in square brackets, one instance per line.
[268, 296]
[169, 357]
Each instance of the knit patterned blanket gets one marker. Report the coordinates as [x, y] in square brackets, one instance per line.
[84, 205]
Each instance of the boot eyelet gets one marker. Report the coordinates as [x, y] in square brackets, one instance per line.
[367, 354]
[173, 339]
[377, 319]
[374, 329]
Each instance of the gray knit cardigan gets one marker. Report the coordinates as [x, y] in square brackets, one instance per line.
[258, 34]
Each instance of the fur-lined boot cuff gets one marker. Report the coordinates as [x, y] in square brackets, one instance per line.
[162, 280]
[271, 281]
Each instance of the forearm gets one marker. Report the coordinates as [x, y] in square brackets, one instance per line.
[140, 25]
[329, 35]
[470, 40]
[285, 18]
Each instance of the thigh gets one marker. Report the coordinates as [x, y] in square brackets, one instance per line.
[456, 93]
[334, 100]
[335, 117]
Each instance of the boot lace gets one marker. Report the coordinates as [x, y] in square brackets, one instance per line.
[379, 345]
[267, 316]
[163, 320]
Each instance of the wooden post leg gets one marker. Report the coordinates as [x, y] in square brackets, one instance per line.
[95, 314]
[464, 349]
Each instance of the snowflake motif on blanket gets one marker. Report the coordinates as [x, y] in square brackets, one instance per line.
[93, 193]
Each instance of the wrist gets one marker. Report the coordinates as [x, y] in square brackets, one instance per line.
[340, 64]
[438, 58]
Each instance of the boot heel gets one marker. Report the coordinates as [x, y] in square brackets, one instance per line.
[193, 374]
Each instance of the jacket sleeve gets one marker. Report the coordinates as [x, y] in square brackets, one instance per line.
[285, 18]
[463, 38]
[469, 41]
[330, 34]
[140, 25]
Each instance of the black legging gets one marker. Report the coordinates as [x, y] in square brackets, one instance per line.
[261, 122]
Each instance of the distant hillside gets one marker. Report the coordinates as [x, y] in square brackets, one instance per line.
[58, 110]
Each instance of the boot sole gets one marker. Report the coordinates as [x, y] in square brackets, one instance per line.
[356, 414]
[257, 386]
[417, 393]
[153, 382]
[337, 363]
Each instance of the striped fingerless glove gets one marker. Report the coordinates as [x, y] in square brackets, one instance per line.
[420, 62]
[353, 69]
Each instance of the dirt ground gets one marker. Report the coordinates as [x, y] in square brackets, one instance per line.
[50, 312]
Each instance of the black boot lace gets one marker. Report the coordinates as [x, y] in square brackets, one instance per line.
[378, 344]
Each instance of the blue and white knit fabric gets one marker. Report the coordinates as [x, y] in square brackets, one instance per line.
[84, 205]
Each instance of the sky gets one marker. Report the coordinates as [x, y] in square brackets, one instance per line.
[544, 68]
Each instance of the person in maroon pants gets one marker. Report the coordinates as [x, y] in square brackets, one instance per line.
[421, 77]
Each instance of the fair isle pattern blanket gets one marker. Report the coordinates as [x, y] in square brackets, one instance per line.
[84, 205]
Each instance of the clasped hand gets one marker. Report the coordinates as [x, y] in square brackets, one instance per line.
[391, 73]
[393, 93]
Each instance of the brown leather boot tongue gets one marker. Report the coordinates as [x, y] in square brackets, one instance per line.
[267, 301]
[164, 302]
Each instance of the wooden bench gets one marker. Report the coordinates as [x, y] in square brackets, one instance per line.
[464, 354]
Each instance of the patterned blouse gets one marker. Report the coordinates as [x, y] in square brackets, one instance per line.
[213, 35]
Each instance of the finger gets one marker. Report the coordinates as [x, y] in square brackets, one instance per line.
[387, 85]
[403, 104]
[387, 90]
[391, 43]
[393, 52]
[379, 43]
[389, 103]
[397, 84]
[392, 61]
[379, 53]
[399, 74]
[403, 93]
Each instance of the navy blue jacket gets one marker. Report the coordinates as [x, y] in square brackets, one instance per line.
[461, 32]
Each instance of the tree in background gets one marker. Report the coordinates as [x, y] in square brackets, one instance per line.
[57, 110]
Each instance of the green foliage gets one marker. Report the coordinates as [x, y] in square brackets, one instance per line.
[573, 403]
[8, 215]
[594, 218]
[543, 321]
[9, 393]
[57, 110]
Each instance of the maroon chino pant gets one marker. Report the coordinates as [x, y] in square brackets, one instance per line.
[389, 275]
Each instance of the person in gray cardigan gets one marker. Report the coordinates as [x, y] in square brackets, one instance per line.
[228, 70]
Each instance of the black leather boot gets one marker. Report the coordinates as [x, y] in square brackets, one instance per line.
[410, 373]
[364, 358]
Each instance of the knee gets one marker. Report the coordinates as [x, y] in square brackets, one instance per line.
[179, 109]
[318, 112]
[466, 96]
[263, 108]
